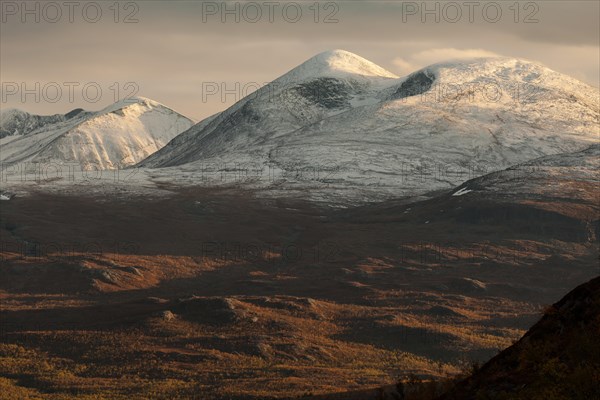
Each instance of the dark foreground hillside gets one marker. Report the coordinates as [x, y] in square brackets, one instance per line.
[558, 358]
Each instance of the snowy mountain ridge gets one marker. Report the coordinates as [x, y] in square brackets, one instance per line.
[338, 129]
[342, 128]
[117, 136]
[335, 64]
[16, 122]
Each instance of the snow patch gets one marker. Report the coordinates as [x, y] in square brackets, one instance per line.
[462, 191]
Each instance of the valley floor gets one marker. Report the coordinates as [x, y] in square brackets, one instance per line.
[219, 294]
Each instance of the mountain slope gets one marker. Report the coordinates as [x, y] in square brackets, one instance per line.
[558, 358]
[117, 136]
[339, 127]
[552, 197]
[325, 85]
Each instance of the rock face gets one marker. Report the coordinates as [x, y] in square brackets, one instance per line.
[115, 137]
[340, 127]
[417, 83]
[558, 358]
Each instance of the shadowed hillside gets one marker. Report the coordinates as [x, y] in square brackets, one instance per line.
[558, 358]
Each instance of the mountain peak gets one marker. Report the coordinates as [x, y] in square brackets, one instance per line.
[130, 102]
[343, 61]
[337, 64]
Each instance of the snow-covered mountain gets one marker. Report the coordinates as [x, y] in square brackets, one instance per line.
[325, 85]
[564, 177]
[341, 127]
[120, 135]
[17, 122]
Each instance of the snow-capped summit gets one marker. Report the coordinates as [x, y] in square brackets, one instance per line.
[131, 103]
[117, 136]
[503, 80]
[336, 64]
[367, 135]
[327, 84]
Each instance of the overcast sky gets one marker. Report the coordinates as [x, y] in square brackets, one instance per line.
[177, 48]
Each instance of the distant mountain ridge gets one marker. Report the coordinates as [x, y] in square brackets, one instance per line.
[120, 135]
[17, 122]
[369, 134]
